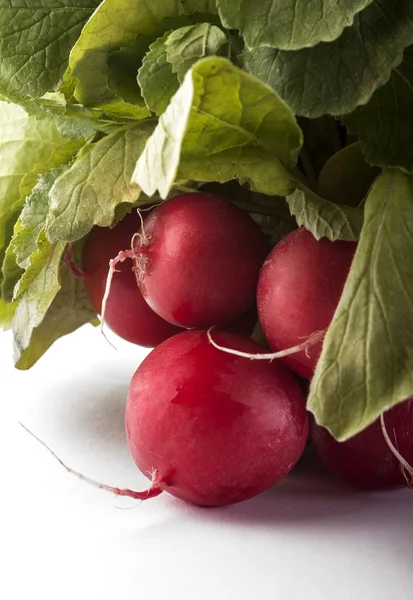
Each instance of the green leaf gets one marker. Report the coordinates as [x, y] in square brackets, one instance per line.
[385, 124]
[289, 24]
[346, 177]
[220, 125]
[23, 250]
[11, 272]
[334, 78]
[35, 39]
[324, 218]
[39, 295]
[33, 217]
[187, 45]
[99, 179]
[73, 120]
[37, 261]
[48, 310]
[366, 363]
[27, 147]
[7, 310]
[117, 24]
[156, 78]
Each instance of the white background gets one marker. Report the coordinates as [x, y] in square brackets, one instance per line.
[309, 538]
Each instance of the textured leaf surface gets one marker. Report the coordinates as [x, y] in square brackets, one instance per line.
[116, 24]
[49, 309]
[156, 78]
[99, 179]
[36, 37]
[324, 218]
[289, 24]
[385, 124]
[336, 77]
[366, 363]
[220, 125]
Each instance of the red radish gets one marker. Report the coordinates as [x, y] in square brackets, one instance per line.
[211, 428]
[126, 313]
[299, 288]
[199, 257]
[366, 461]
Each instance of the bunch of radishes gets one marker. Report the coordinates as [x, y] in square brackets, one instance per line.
[207, 425]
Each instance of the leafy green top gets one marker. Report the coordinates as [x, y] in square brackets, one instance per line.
[123, 100]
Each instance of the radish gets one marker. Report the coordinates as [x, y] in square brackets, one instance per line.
[299, 288]
[126, 312]
[208, 427]
[198, 258]
[211, 428]
[367, 460]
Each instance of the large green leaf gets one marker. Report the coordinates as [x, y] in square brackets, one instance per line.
[366, 365]
[324, 218]
[336, 77]
[50, 308]
[157, 80]
[27, 147]
[385, 124]
[35, 40]
[186, 45]
[220, 125]
[116, 24]
[289, 24]
[99, 179]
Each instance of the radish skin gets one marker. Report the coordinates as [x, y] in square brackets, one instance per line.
[126, 312]
[200, 264]
[299, 287]
[367, 461]
[216, 428]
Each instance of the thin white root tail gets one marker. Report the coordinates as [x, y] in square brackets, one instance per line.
[122, 256]
[314, 338]
[406, 469]
[157, 487]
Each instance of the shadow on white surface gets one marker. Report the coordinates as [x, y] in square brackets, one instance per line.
[308, 537]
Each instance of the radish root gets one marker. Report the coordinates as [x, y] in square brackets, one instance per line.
[315, 337]
[157, 487]
[405, 468]
[120, 258]
[75, 271]
[139, 261]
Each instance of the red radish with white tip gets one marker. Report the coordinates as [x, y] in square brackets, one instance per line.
[216, 429]
[299, 287]
[208, 427]
[197, 259]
